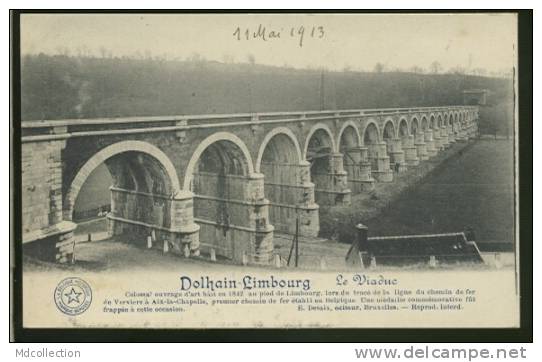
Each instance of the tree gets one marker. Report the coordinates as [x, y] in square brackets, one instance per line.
[417, 70]
[435, 67]
[195, 58]
[379, 67]
[64, 51]
[458, 70]
[227, 58]
[83, 51]
[103, 52]
[479, 71]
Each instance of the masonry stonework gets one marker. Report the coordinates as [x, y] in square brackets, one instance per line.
[220, 182]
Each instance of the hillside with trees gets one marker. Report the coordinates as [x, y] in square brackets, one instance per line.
[62, 86]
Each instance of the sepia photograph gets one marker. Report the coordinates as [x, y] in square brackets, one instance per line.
[268, 170]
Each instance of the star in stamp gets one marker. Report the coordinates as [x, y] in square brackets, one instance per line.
[73, 296]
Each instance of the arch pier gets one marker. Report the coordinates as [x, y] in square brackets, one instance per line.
[430, 143]
[326, 167]
[428, 138]
[394, 147]
[287, 183]
[460, 133]
[436, 134]
[419, 140]
[229, 200]
[451, 130]
[220, 184]
[443, 133]
[355, 159]
[407, 144]
[377, 153]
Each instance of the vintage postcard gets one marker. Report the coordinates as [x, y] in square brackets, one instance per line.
[221, 170]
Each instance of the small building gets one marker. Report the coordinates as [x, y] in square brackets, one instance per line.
[476, 97]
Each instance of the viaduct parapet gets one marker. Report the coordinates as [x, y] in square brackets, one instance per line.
[222, 182]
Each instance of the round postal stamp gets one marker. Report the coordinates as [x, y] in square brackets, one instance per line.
[73, 296]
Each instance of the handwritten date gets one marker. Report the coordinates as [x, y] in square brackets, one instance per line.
[263, 33]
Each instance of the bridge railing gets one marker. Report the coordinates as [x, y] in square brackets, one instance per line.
[59, 129]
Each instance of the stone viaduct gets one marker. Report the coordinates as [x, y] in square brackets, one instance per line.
[222, 182]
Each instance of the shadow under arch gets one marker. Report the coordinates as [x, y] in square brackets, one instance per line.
[284, 133]
[322, 131]
[326, 166]
[228, 200]
[355, 160]
[393, 146]
[371, 140]
[287, 183]
[224, 137]
[377, 153]
[131, 153]
[414, 126]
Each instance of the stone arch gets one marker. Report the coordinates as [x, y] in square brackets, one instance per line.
[113, 150]
[221, 178]
[439, 121]
[269, 136]
[456, 123]
[414, 126]
[377, 152]
[349, 144]
[424, 123]
[389, 131]
[317, 127]
[346, 125]
[281, 163]
[371, 140]
[216, 137]
[325, 167]
[368, 126]
[402, 130]
[432, 121]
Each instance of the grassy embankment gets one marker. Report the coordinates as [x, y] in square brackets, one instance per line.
[465, 186]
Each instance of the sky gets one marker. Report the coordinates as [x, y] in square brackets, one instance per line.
[356, 41]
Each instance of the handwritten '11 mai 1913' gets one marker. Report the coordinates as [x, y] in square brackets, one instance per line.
[263, 33]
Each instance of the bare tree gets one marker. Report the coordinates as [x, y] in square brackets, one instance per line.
[103, 52]
[435, 67]
[62, 50]
[479, 71]
[379, 67]
[457, 70]
[227, 58]
[195, 57]
[83, 51]
[416, 69]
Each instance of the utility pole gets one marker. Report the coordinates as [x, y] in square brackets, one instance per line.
[322, 91]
